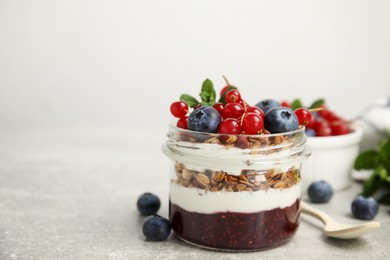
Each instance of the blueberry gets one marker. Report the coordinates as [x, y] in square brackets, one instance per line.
[204, 119]
[156, 228]
[148, 204]
[320, 192]
[280, 119]
[310, 132]
[364, 207]
[267, 104]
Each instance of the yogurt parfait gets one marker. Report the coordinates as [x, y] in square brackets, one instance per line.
[235, 189]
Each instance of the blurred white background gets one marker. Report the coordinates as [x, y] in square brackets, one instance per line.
[121, 63]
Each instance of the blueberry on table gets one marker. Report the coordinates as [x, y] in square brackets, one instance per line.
[280, 120]
[204, 119]
[156, 228]
[268, 104]
[320, 192]
[148, 204]
[364, 207]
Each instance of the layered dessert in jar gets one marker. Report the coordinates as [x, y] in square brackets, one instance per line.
[232, 189]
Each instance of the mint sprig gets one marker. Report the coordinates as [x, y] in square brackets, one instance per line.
[379, 161]
[297, 103]
[190, 100]
[207, 93]
[207, 96]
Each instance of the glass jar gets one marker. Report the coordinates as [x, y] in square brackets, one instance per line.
[235, 192]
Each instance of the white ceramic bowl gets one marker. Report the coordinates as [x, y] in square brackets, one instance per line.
[332, 159]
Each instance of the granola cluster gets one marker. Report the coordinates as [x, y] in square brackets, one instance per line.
[248, 180]
[240, 141]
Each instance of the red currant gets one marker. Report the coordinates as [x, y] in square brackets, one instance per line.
[223, 90]
[340, 127]
[312, 123]
[230, 126]
[285, 103]
[182, 123]
[323, 128]
[233, 96]
[219, 107]
[256, 110]
[179, 109]
[252, 123]
[233, 110]
[304, 115]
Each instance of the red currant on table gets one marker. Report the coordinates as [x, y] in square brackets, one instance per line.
[230, 126]
[233, 110]
[252, 123]
[233, 96]
[182, 123]
[304, 115]
[179, 109]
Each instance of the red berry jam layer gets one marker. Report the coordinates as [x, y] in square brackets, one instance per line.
[236, 231]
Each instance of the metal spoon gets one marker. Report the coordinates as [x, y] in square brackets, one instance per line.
[339, 230]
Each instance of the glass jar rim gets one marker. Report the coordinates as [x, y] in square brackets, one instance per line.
[173, 126]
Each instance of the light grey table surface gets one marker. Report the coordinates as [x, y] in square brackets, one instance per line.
[70, 193]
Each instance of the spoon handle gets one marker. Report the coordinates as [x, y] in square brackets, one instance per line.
[315, 213]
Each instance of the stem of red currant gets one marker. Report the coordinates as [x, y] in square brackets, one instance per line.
[226, 80]
[316, 109]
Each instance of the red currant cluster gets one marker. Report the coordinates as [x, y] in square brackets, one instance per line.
[320, 121]
[327, 123]
[237, 116]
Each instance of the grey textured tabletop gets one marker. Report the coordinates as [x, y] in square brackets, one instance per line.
[70, 193]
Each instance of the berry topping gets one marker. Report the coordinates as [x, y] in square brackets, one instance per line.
[233, 110]
[230, 126]
[304, 115]
[280, 119]
[256, 110]
[183, 123]
[219, 107]
[204, 119]
[179, 109]
[267, 104]
[148, 204]
[364, 207]
[233, 96]
[320, 192]
[252, 123]
[156, 228]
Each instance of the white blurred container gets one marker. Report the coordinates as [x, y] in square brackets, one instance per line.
[332, 159]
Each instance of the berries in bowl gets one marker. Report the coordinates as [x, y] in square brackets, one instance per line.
[334, 143]
[227, 158]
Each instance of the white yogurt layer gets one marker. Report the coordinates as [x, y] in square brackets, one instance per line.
[200, 156]
[200, 201]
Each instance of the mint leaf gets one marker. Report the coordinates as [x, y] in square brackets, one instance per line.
[384, 154]
[385, 199]
[222, 99]
[383, 174]
[317, 103]
[366, 160]
[190, 100]
[207, 93]
[372, 184]
[296, 103]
